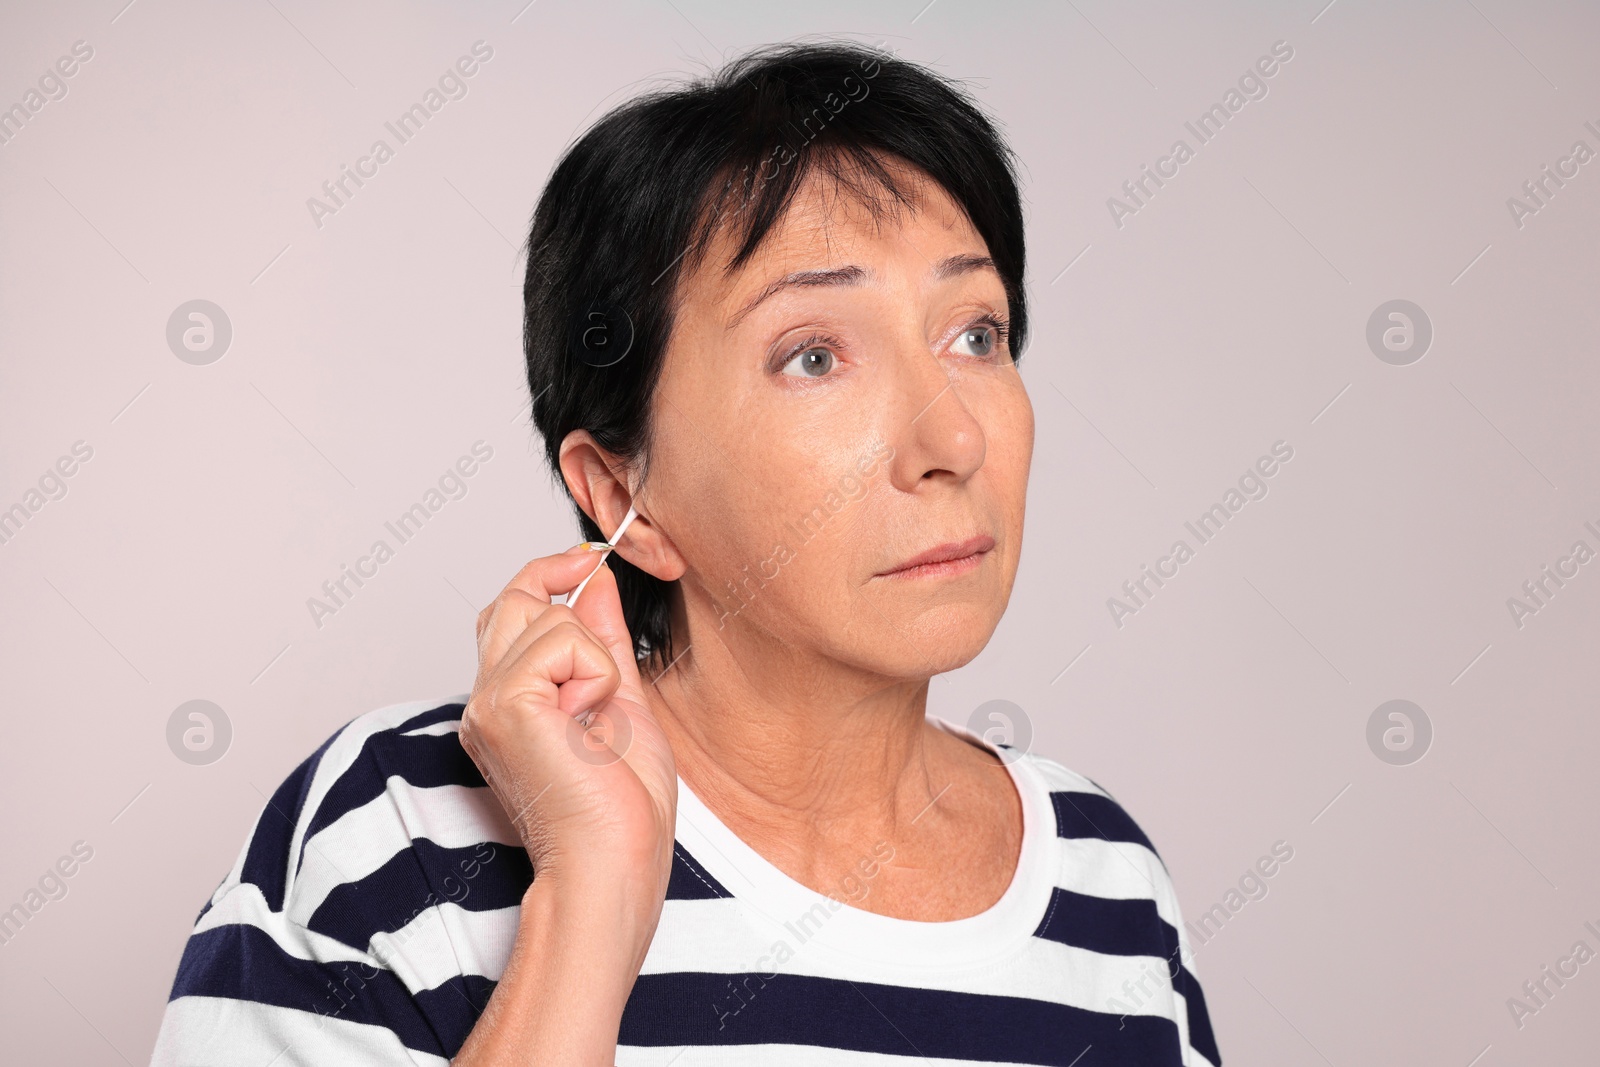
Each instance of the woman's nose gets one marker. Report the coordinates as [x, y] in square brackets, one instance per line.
[937, 433]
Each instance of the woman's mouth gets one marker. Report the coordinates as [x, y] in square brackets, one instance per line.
[950, 558]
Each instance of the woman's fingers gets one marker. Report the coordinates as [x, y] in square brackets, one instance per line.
[561, 671]
[592, 795]
[526, 597]
[600, 609]
[561, 663]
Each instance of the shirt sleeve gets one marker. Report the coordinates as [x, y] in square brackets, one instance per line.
[1194, 1021]
[338, 935]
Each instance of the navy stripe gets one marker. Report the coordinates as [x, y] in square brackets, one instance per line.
[1092, 815]
[482, 877]
[1201, 1037]
[432, 717]
[453, 1007]
[424, 762]
[746, 1009]
[1130, 928]
[242, 962]
[266, 863]
[689, 880]
[1194, 999]
[1113, 927]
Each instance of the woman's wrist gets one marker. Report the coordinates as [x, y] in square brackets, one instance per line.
[610, 910]
[580, 942]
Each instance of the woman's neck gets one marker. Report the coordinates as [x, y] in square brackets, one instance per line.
[793, 742]
[814, 762]
[813, 769]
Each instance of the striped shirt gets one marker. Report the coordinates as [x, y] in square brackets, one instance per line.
[376, 901]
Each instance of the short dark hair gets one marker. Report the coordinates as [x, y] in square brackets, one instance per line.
[632, 206]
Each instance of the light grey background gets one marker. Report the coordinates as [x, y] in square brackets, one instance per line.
[1228, 313]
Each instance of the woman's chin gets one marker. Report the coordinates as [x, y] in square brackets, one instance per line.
[934, 640]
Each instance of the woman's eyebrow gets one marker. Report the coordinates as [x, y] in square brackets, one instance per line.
[850, 275]
[949, 267]
[963, 263]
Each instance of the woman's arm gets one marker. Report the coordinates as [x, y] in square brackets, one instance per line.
[560, 1000]
[556, 690]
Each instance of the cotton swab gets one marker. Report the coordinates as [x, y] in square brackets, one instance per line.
[611, 544]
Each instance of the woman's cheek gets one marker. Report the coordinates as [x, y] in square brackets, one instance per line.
[1001, 406]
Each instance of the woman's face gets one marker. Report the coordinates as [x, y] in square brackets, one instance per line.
[842, 404]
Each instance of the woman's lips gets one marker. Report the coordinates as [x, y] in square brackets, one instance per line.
[952, 557]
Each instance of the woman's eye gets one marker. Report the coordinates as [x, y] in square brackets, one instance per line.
[978, 341]
[811, 363]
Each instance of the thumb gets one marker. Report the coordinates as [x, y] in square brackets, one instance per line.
[600, 609]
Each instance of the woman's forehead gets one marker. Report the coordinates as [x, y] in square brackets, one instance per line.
[826, 228]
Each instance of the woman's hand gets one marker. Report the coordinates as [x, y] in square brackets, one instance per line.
[560, 727]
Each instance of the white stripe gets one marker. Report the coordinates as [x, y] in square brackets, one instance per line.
[220, 1032]
[363, 839]
[1062, 779]
[1115, 870]
[342, 754]
[446, 941]
[787, 1056]
[717, 937]
[243, 904]
[438, 729]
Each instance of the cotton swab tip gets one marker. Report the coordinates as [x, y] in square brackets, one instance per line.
[616, 538]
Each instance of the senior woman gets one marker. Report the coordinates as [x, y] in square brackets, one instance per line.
[699, 815]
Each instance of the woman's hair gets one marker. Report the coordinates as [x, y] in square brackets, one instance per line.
[633, 205]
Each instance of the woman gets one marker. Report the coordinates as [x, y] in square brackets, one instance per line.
[774, 317]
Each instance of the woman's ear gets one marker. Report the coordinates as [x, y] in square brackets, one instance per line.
[599, 481]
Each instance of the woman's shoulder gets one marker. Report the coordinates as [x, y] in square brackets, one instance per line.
[1083, 807]
[369, 910]
[386, 814]
[1112, 872]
